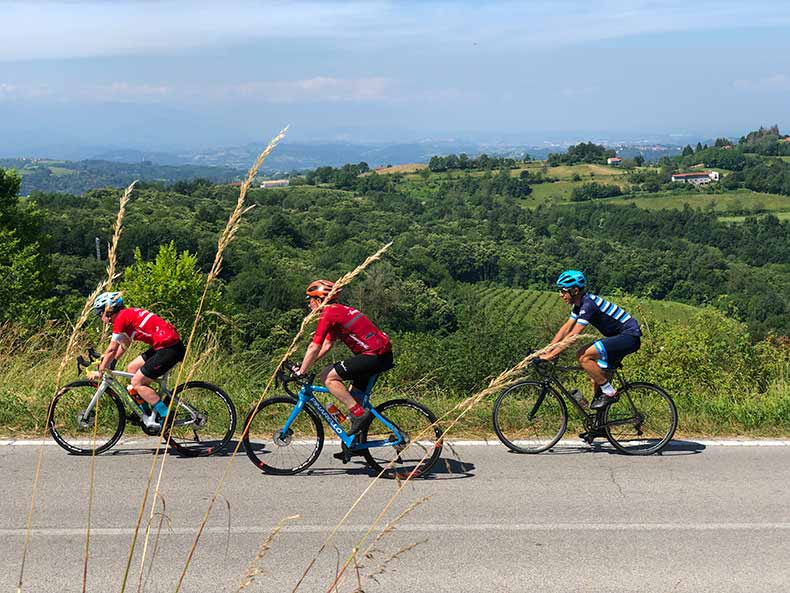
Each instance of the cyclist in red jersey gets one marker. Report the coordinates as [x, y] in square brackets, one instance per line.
[166, 349]
[371, 347]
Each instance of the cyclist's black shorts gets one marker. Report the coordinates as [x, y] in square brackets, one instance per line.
[158, 362]
[612, 350]
[362, 367]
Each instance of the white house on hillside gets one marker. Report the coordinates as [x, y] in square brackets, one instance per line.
[269, 183]
[697, 178]
[614, 161]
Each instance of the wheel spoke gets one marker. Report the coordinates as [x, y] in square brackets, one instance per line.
[273, 452]
[529, 417]
[418, 454]
[643, 421]
[204, 419]
[73, 427]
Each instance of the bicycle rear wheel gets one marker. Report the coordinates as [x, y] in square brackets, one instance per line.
[277, 453]
[418, 454]
[202, 421]
[73, 429]
[642, 421]
[530, 417]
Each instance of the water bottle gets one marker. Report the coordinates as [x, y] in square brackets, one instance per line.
[134, 395]
[579, 398]
[335, 413]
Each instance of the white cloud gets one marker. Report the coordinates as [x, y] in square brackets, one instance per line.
[320, 88]
[16, 92]
[317, 89]
[92, 28]
[773, 82]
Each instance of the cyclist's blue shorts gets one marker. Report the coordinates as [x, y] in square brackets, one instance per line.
[612, 350]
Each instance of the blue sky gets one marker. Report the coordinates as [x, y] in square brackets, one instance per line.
[170, 75]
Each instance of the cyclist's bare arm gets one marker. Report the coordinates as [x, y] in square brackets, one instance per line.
[314, 352]
[569, 328]
[114, 351]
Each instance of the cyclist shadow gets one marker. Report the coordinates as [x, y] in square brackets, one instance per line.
[150, 449]
[673, 448]
[445, 469]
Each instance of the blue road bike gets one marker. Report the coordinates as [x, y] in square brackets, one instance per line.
[286, 434]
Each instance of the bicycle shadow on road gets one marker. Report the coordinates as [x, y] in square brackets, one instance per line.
[150, 449]
[674, 448]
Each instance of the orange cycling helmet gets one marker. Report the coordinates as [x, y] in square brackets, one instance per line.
[319, 289]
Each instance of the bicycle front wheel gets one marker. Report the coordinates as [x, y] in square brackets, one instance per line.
[422, 447]
[530, 417]
[282, 452]
[73, 427]
[642, 421]
[202, 419]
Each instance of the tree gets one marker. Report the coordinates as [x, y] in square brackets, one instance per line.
[639, 160]
[698, 148]
[171, 285]
[10, 183]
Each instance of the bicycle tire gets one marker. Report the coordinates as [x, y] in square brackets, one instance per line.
[264, 423]
[632, 406]
[213, 428]
[511, 417]
[72, 432]
[417, 421]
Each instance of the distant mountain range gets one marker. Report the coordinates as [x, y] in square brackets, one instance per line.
[291, 156]
[87, 168]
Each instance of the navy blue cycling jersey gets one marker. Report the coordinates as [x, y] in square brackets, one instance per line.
[606, 317]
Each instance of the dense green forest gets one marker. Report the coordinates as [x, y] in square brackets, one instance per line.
[77, 177]
[457, 235]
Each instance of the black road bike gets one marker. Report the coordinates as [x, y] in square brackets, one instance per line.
[531, 416]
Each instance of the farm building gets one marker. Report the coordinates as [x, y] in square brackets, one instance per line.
[269, 183]
[697, 178]
[614, 161]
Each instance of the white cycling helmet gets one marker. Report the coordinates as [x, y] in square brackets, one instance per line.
[108, 301]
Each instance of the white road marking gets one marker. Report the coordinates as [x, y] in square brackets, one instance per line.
[423, 527]
[463, 443]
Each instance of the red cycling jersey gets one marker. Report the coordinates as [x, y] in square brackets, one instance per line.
[353, 328]
[142, 325]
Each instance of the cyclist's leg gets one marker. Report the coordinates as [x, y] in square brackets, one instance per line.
[609, 352]
[593, 361]
[157, 363]
[357, 369]
[138, 362]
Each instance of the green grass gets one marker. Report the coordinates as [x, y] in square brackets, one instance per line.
[529, 307]
[59, 171]
[718, 202]
[779, 215]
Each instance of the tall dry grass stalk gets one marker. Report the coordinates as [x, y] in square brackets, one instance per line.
[67, 356]
[498, 383]
[341, 282]
[253, 570]
[111, 262]
[229, 232]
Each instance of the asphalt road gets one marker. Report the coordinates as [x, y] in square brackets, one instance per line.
[700, 518]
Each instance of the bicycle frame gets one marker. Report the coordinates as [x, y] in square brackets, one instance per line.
[306, 397]
[110, 378]
[549, 379]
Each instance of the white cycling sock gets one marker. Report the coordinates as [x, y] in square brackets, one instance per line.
[608, 390]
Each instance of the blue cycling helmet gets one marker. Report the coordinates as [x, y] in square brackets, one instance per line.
[112, 302]
[571, 279]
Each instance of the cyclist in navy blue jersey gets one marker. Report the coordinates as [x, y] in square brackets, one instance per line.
[622, 335]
